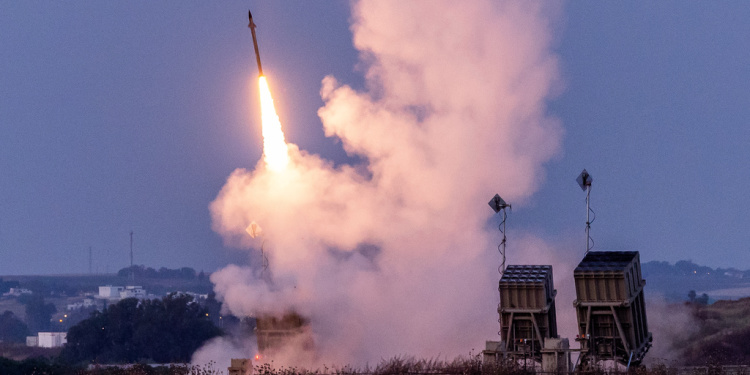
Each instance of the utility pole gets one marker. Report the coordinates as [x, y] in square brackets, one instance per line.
[132, 274]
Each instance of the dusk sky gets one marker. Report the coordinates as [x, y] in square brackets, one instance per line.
[120, 116]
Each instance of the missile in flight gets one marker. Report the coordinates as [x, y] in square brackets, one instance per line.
[255, 43]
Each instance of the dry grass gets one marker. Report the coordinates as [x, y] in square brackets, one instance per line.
[723, 336]
[395, 366]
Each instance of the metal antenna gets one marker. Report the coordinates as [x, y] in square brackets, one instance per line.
[498, 204]
[264, 260]
[132, 273]
[254, 230]
[90, 261]
[584, 181]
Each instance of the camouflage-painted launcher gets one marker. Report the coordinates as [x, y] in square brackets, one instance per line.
[610, 308]
[527, 310]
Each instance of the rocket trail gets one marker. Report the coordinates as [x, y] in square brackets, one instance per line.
[255, 43]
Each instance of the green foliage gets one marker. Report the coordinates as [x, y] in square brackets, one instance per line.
[12, 329]
[38, 313]
[162, 331]
[6, 285]
[35, 366]
[702, 300]
[698, 300]
[721, 334]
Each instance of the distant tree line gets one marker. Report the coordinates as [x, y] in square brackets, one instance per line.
[141, 271]
[688, 268]
[6, 285]
[38, 312]
[160, 330]
[38, 318]
[694, 298]
[12, 329]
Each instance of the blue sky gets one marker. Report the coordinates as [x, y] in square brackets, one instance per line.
[119, 116]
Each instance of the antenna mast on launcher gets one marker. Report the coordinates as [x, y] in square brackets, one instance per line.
[584, 181]
[498, 204]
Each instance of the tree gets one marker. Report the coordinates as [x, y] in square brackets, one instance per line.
[141, 271]
[88, 339]
[38, 313]
[187, 273]
[6, 285]
[693, 298]
[160, 330]
[12, 329]
[213, 307]
[702, 300]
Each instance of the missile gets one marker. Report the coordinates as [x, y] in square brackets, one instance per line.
[255, 42]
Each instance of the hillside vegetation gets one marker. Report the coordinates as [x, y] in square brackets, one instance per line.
[722, 335]
[674, 281]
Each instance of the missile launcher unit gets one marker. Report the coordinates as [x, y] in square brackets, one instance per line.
[610, 307]
[527, 310]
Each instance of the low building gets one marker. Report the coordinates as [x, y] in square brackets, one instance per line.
[86, 303]
[121, 292]
[133, 292]
[52, 339]
[110, 292]
[17, 292]
[196, 296]
[32, 340]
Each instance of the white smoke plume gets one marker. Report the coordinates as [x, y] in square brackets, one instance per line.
[394, 256]
[672, 325]
[218, 352]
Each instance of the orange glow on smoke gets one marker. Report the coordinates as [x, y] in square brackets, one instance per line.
[275, 151]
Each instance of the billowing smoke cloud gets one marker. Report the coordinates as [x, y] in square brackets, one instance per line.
[218, 352]
[394, 256]
[672, 325]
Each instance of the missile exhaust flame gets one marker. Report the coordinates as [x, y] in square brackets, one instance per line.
[275, 149]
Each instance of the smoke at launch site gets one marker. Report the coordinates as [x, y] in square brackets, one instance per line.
[398, 255]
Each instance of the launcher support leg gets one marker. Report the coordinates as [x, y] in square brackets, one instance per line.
[536, 328]
[619, 330]
[510, 328]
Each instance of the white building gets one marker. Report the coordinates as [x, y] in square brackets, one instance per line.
[120, 292]
[196, 296]
[86, 303]
[17, 292]
[133, 291]
[52, 339]
[110, 291]
[32, 340]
